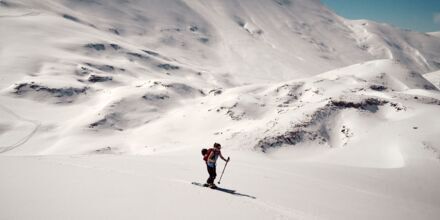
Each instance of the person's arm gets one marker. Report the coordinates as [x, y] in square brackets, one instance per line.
[223, 158]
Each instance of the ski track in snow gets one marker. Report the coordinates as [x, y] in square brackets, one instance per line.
[26, 138]
[20, 15]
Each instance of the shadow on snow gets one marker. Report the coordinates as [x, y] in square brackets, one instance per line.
[233, 192]
[229, 191]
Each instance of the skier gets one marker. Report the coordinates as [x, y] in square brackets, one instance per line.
[211, 157]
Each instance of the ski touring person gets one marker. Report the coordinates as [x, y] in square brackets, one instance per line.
[210, 156]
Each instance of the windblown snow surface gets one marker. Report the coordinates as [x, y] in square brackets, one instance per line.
[106, 104]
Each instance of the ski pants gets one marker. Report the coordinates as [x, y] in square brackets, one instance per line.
[212, 174]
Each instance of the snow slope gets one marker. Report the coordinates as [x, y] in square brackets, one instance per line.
[338, 119]
[434, 78]
[159, 187]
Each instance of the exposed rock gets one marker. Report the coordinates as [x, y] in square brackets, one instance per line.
[283, 2]
[193, 28]
[70, 17]
[378, 87]
[154, 97]
[104, 150]
[95, 78]
[204, 40]
[370, 104]
[103, 67]
[152, 53]
[95, 46]
[137, 55]
[167, 66]
[109, 121]
[346, 131]
[397, 106]
[115, 46]
[216, 92]
[4, 4]
[235, 116]
[82, 71]
[115, 31]
[290, 93]
[313, 129]
[289, 138]
[24, 88]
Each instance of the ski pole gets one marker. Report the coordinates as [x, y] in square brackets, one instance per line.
[223, 171]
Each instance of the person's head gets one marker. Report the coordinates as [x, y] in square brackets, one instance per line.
[217, 146]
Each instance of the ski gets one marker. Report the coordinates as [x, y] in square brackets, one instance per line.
[215, 188]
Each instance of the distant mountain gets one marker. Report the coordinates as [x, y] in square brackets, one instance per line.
[132, 76]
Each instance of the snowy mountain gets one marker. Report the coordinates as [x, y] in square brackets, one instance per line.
[282, 82]
[129, 64]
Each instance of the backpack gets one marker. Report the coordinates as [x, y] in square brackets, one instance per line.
[206, 153]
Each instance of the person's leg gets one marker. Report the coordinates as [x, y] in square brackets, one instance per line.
[212, 175]
[209, 180]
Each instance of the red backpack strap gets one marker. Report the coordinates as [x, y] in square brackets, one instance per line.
[205, 158]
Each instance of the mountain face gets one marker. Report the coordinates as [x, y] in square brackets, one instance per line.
[133, 76]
